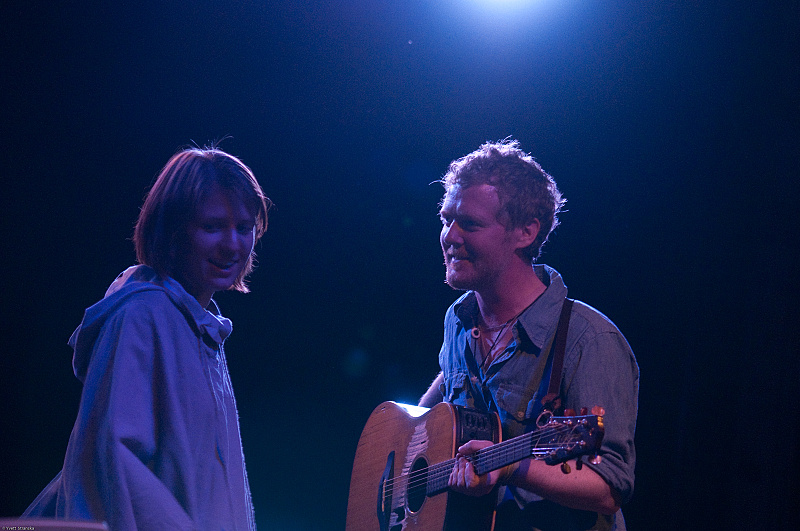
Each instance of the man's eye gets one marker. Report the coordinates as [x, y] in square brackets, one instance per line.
[245, 229]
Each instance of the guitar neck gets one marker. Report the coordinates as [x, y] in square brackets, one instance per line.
[553, 443]
[486, 460]
[504, 453]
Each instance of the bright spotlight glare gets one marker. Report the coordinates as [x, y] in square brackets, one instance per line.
[505, 20]
[503, 8]
[505, 5]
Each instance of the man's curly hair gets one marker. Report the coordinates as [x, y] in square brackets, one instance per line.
[525, 190]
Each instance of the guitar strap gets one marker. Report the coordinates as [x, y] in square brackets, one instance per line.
[552, 400]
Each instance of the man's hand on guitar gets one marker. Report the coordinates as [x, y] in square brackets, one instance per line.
[463, 478]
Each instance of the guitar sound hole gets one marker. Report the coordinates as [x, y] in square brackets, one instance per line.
[417, 484]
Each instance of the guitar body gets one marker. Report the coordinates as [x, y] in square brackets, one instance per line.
[391, 488]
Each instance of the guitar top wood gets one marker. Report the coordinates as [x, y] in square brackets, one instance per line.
[395, 470]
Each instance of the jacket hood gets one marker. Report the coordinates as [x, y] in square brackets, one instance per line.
[206, 323]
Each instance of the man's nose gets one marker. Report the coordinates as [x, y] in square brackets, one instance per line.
[451, 234]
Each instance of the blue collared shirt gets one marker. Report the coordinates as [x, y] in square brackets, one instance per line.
[599, 369]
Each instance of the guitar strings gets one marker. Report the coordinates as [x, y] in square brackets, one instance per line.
[492, 454]
[441, 471]
[438, 475]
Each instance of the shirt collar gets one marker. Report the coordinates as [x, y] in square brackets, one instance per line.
[538, 320]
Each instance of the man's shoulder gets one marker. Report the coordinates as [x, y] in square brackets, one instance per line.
[586, 318]
[583, 312]
[591, 329]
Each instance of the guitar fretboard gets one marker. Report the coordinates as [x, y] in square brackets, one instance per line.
[538, 444]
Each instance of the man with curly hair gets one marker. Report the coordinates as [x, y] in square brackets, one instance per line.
[498, 210]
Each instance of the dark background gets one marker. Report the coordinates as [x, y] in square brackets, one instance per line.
[670, 126]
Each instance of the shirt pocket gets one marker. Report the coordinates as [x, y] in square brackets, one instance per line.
[457, 389]
[517, 403]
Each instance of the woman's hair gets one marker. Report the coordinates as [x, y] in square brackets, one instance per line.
[171, 204]
[525, 190]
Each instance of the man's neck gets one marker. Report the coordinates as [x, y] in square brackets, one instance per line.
[510, 296]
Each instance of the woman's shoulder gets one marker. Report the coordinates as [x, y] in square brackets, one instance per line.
[149, 306]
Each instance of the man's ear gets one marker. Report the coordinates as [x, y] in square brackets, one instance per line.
[526, 234]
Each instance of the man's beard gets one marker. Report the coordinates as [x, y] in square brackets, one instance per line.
[474, 281]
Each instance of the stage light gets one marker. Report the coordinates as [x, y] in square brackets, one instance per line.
[506, 5]
[506, 15]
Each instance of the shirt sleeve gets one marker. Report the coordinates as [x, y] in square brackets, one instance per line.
[604, 373]
[111, 470]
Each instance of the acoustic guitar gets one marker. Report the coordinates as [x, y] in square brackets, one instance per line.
[406, 453]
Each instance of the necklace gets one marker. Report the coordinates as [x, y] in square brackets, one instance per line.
[477, 333]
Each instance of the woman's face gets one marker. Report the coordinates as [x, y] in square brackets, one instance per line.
[220, 241]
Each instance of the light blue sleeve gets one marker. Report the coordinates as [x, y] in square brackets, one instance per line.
[606, 375]
[111, 467]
